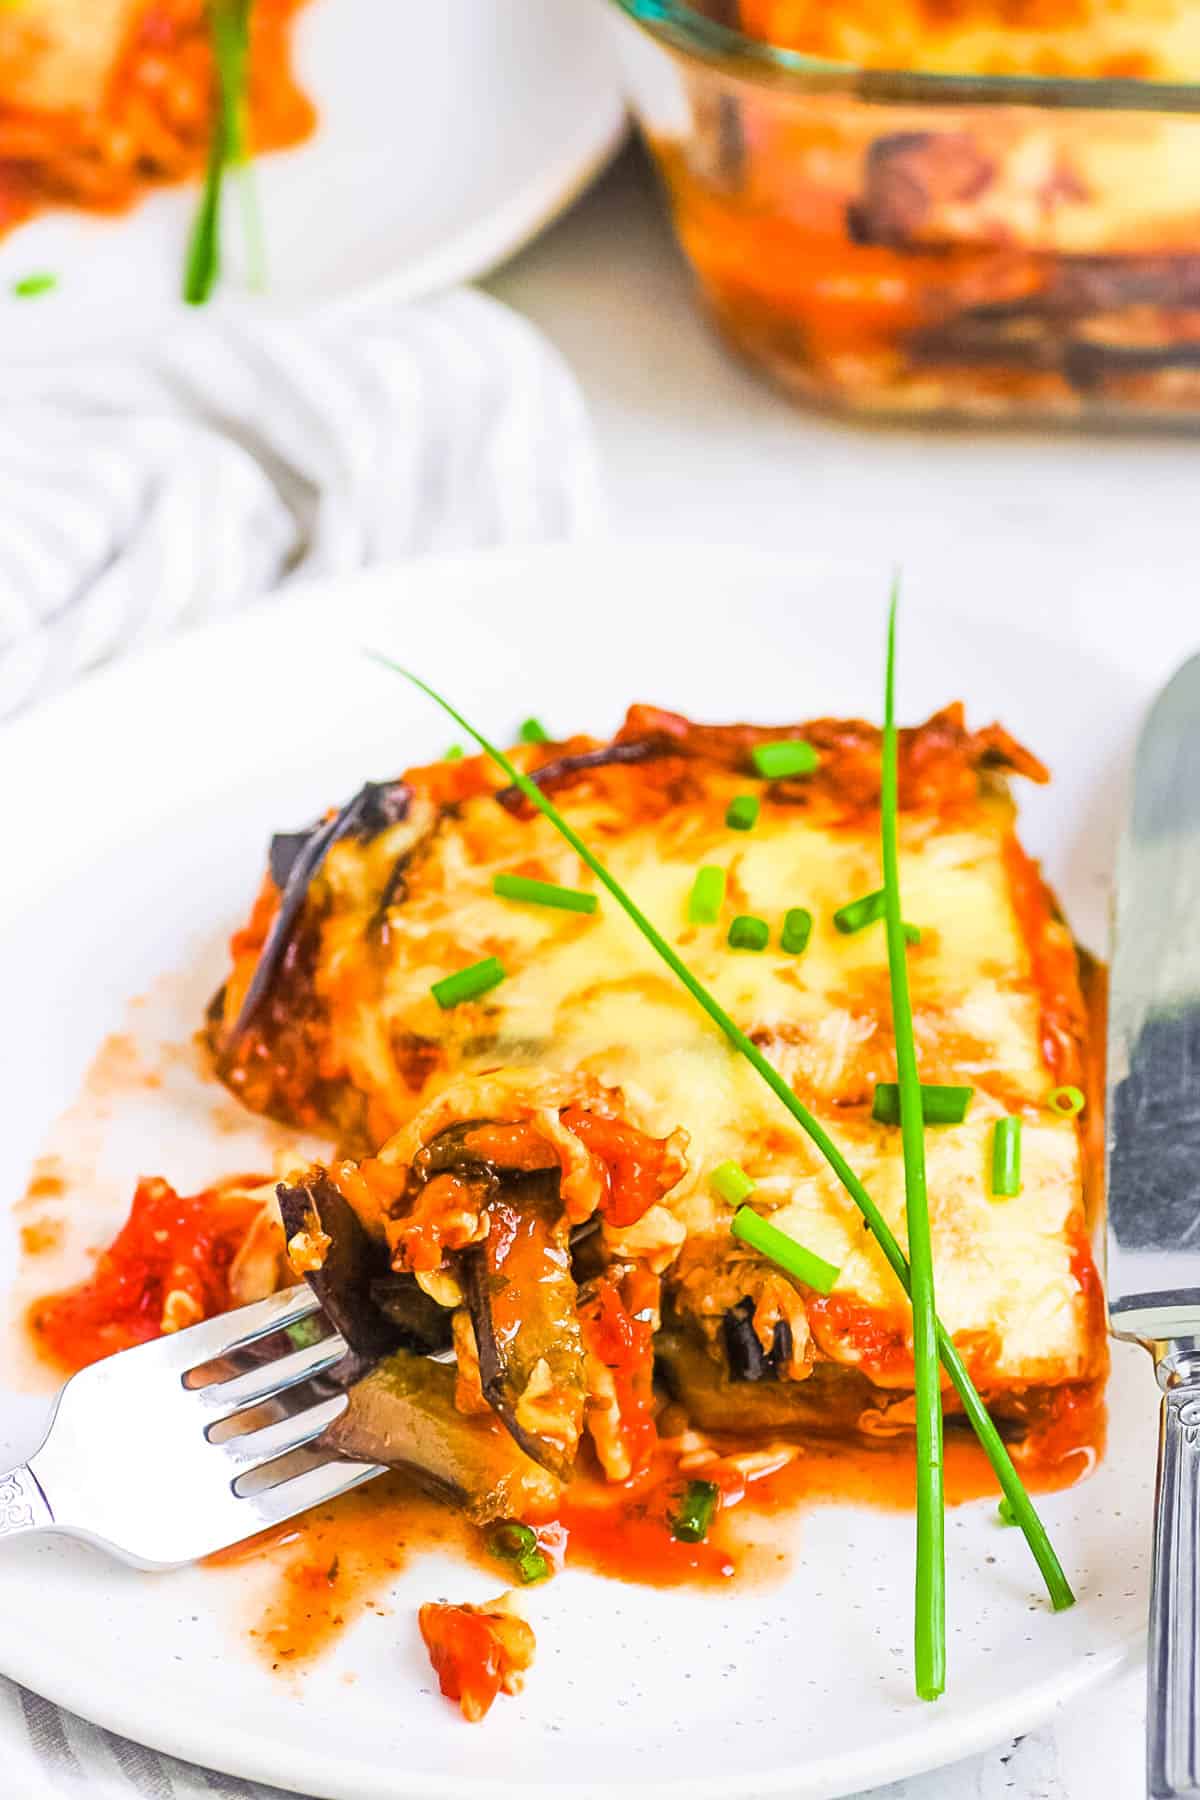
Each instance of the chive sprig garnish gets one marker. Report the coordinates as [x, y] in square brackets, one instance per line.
[468, 984]
[1067, 1102]
[707, 896]
[856, 915]
[1006, 1158]
[543, 893]
[782, 1248]
[229, 27]
[930, 1637]
[742, 812]
[748, 933]
[938, 1105]
[1057, 1585]
[694, 1514]
[797, 929]
[785, 757]
[731, 1183]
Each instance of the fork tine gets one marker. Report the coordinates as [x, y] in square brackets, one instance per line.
[225, 1397]
[196, 1344]
[315, 1487]
[253, 1448]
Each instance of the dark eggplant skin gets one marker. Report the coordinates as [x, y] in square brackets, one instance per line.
[297, 856]
[747, 1359]
[561, 767]
[403, 1415]
[425, 1326]
[354, 1264]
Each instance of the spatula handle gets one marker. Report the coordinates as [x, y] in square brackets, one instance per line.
[1173, 1692]
[23, 1506]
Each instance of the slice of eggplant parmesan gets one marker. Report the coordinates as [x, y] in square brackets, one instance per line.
[375, 1311]
[403, 1415]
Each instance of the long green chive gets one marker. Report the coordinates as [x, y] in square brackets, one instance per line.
[783, 1249]
[543, 893]
[1006, 1158]
[793, 756]
[748, 933]
[229, 22]
[742, 812]
[32, 287]
[533, 732]
[857, 914]
[1057, 1585]
[930, 1597]
[939, 1105]
[707, 896]
[691, 1521]
[729, 1181]
[468, 984]
[1067, 1102]
[797, 929]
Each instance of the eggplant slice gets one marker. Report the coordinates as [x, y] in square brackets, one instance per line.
[403, 1415]
[375, 1311]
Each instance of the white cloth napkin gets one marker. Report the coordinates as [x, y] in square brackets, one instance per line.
[144, 492]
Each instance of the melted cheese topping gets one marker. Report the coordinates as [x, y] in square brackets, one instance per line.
[586, 997]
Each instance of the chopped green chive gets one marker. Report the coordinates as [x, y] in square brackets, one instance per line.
[783, 1249]
[742, 813]
[31, 287]
[915, 1104]
[797, 929]
[543, 893]
[1042, 1550]
[517, 1544]
[748, 933]
[468, 984]
[454, 754]
[1006, 1158]
[939, 1105]
[1005, 1513]
[533, 732]
[1067, 1102]
[857, 914]
[707, 896]
[775, 762]
[730, 1182]
[696, 1508]
[306, 1332]
[533, 1567]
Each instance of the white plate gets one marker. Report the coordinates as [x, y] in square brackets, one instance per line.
[137, 811]
[449, 134]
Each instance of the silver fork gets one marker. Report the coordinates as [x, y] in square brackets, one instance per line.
[130, 1461]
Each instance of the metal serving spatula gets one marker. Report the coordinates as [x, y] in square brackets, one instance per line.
[1154, 1189]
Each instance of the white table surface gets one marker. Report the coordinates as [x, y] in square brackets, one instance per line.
[1099, 533]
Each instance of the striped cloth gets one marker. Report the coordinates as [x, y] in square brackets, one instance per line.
[143, 493]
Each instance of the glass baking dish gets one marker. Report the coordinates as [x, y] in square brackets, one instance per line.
[912, 242]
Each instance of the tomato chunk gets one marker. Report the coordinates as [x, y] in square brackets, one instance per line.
[477, 1652]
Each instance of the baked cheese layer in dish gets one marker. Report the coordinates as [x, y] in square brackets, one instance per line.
[586, 1100]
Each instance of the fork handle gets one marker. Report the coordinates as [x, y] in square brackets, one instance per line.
[1173, 1690]
[23, 1506]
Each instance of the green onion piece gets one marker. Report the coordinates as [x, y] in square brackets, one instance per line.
[533, 1567]
[748, 933]
[229, 23]
[510, 1540]
[857, 914]
[797, 929]
[691, 1522]
[468, 984]
[30, 287]
[533, 732]
[729, 1181]
[707, 896]
[1006, 1158]
[454, 754]
[939, 1105]
[1004, 1512]
[1067, 1102]
[793, 756]
[543, 893]
[306, 1332]
[916, 1104]
[783, 1249]
[1042, 1550]
[742, 813]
